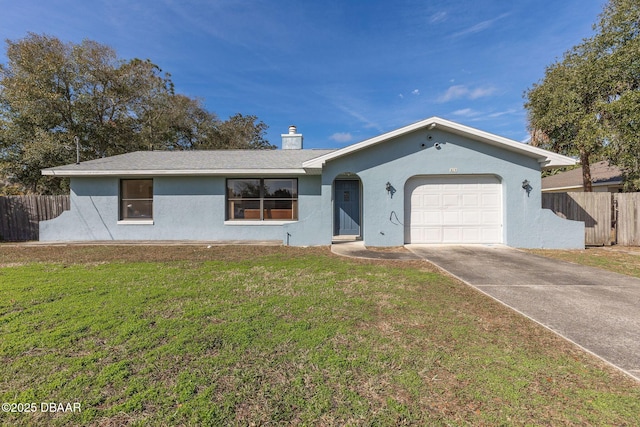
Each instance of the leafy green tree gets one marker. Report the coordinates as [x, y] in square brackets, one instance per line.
[564, 110]
[618, 40]
[176, 122]
[588, 103]
[241, 132]
[53, 94]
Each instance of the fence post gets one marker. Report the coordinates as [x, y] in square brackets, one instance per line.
[614, 218]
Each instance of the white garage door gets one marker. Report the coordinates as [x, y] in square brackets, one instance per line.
[453, 209]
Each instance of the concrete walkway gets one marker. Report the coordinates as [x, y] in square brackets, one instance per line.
[597, 310]
[356, 249]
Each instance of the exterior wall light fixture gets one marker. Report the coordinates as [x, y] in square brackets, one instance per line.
[390, 189]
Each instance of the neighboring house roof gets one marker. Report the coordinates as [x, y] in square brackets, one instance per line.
[601, 174]
[197, 162]
[546, 158]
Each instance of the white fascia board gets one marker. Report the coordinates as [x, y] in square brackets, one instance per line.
[557, 161]
[569, 188]
[313, 171]
[164, 172]
[547, 159]
[566, 189]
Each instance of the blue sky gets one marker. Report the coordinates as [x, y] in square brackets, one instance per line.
[342, 71]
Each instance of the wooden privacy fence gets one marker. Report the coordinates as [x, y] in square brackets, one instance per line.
[609, 218]
[20, 215]
[627, 219]
[592, 208]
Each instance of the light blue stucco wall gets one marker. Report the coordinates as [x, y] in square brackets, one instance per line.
[193, 208]
[184, 208]
[525, 224]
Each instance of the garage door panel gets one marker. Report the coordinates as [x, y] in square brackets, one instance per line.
[451, 235]
[430, 200]
[491, 236]
[471, 218]
[450, 200]
[470, 200]
[450, 218]
[432, 234]
[461, 209]
[430, 218]
[469, 187]
[490, 217]
[471, 235]
[490, 200]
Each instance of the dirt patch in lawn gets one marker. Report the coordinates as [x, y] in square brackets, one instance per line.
[14, 255]
[81, 254]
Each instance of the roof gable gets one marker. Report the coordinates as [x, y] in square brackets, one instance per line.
[547, 159]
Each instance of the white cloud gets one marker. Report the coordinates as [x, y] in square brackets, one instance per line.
[341, 137]
[438, 17]
[414, 92]
[480, 26]
[475, 115]
[481, 92]
[368, 124]
[502, 113]
[454, 92]
[460, 91]
[465, 112]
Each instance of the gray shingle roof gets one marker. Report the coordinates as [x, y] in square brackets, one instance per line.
[192, 163]
[601, 174]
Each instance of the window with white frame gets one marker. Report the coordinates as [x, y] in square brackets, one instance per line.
[136, 199]
[262, 199]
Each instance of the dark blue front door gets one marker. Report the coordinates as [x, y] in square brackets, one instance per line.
[347, 208]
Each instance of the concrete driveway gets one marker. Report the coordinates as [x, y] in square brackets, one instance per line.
[596, 309]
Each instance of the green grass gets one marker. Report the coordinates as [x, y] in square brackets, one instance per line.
[255, 336]
[623, 260]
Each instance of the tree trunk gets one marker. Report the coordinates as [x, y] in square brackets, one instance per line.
[586, 171]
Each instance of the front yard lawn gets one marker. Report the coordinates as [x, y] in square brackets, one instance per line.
[619, 259]
[241, 335]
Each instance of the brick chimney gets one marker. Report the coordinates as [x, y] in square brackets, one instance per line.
[292, 140]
